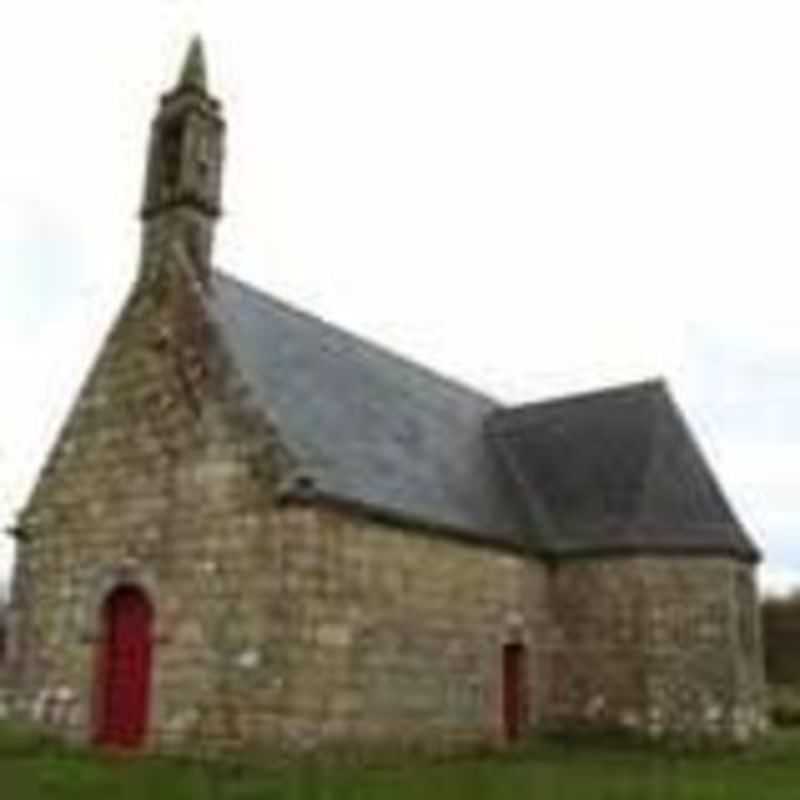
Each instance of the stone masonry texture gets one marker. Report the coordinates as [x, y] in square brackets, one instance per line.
[297, 626]
[292, 625]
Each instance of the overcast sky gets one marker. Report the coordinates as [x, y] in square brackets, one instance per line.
[534, 197]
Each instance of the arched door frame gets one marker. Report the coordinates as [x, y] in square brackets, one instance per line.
[123, 668]
[104, 581]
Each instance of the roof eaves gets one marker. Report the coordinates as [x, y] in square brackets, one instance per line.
[311, 494]
[656, 551]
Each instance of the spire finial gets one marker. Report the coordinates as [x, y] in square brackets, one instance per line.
[193, 73]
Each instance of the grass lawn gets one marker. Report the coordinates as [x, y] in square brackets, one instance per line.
[31, 769]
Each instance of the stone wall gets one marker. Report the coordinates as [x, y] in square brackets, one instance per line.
[274, 625]
[658, 645]
[370, 635]
[141, 487]
[294, 627]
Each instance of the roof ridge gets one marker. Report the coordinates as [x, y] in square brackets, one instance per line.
[357, 339]
[508, 417]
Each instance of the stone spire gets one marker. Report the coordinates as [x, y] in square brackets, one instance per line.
[183, 183]
[193, 73]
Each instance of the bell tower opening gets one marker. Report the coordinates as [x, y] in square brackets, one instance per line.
[172, 142]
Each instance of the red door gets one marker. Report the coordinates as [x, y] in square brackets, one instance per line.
[123, 690]
[514, 690]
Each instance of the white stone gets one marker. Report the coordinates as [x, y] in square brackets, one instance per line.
[39, 706]
[741, 733]
[655, 730]
[64, 694]
[213, 473]
[190, 633]
[151, 533]
[95, 509]
[596, 705]
[629, 719]
[249, 659]
[183, 721]
[75, 717]
[334, 635]
[514, 619]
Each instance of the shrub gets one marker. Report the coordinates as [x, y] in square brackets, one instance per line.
[781, 618]
[784, 705]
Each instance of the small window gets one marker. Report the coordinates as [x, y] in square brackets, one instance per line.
[172, 145]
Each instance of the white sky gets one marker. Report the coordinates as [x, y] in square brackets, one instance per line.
[534, 197]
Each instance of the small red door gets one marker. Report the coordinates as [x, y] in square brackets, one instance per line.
[514, 690]
[123, 680]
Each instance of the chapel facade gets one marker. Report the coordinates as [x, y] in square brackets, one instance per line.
[258, 530]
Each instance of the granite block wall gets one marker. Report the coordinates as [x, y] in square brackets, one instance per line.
[658, 645]
[285, 626]
[296, 626]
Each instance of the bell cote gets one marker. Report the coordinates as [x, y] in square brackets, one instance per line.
[186, 146]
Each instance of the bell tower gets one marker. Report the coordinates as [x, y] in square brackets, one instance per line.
[183, 182]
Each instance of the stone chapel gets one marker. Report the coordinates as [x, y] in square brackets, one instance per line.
[258, 530]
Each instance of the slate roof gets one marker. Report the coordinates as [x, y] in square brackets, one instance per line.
[367, 427]
[615, 471]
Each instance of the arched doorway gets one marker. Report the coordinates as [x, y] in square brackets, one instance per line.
[123, 670]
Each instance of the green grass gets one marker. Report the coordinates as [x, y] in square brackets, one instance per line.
[31, 768]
